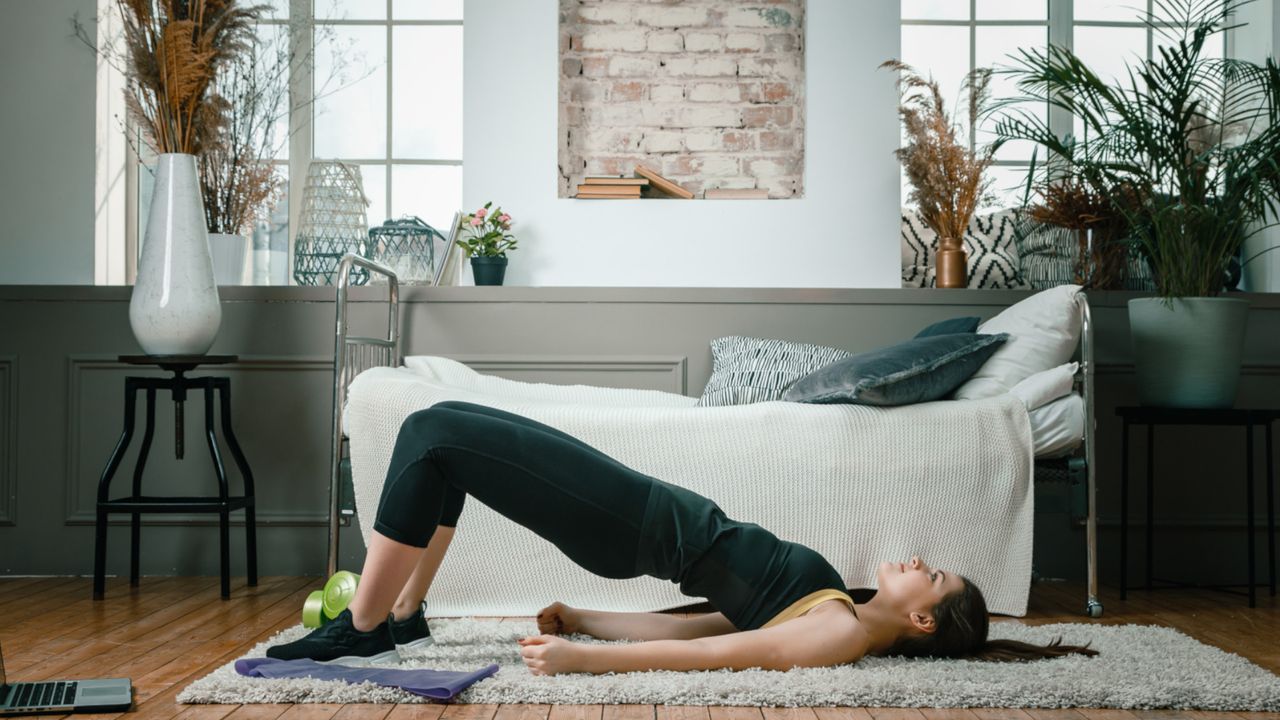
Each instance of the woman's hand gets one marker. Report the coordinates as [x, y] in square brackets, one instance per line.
[551, 655]
[558, 619]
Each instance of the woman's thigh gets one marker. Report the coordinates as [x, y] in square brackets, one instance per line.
[578, 498]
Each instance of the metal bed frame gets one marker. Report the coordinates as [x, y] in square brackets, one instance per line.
[353, 355]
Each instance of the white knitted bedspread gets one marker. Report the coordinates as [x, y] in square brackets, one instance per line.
[949, 481]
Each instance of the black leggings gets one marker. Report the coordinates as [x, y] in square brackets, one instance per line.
[587, 504]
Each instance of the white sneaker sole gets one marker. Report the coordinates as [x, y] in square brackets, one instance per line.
[416, 645]
[390, 656]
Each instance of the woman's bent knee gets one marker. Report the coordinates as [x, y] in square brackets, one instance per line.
[428, 422]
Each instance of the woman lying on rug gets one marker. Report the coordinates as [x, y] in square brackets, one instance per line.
[780, 604]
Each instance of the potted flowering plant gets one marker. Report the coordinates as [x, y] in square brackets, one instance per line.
[486, 240]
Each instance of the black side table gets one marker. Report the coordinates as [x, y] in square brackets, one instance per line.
[136, 503]
[1153, 416]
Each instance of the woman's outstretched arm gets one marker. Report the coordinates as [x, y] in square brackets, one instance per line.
[558, 618]
[808, 641]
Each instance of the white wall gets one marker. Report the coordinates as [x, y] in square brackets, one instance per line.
[843, 233]
[1256, 41]
[46, 144]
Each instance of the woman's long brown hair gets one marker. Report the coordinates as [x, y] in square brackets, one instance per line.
[961, 632]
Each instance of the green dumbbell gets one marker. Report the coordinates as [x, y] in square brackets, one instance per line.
[324, 605]
[312, 610]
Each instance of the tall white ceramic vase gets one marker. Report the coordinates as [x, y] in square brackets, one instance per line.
[174, 309]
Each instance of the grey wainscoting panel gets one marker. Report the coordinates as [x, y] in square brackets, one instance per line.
[60, 420]
[280, 417]
[639, 372]
[9, 439]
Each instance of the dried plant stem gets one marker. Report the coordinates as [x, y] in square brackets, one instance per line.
[947, 178]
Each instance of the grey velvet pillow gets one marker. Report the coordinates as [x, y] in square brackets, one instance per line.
[919, 370]
[950, 326]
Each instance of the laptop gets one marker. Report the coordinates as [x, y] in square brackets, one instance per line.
[63, 696]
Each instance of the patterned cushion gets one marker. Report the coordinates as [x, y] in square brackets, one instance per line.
[990, 241]
[747, 370]
[1048, 257]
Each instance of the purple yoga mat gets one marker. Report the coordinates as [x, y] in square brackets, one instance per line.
[435, 684]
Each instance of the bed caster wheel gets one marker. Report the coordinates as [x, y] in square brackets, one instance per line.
[1094, 609]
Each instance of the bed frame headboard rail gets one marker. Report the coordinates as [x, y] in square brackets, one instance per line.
[1093, 607]
[352, 355]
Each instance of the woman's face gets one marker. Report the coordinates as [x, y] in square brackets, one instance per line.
[914, 584]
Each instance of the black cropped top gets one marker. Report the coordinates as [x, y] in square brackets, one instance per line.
[743, 570]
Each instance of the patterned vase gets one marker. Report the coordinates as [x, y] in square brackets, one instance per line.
[174, 309]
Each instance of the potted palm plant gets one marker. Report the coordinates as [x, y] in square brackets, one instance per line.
[1192, 140]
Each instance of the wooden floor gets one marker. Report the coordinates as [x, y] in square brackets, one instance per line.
[171, 631]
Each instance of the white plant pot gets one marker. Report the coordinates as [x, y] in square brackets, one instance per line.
[229, 253]
[174, 309]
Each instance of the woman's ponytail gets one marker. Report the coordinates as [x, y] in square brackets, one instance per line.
[962, 626]
[1018, 651]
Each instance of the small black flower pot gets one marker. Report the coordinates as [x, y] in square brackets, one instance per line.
[488, 270]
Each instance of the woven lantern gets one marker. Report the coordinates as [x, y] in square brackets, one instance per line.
[332, 224]
[408, 247]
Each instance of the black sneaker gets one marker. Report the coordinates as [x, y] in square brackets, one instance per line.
[412, 632]
[340, 643]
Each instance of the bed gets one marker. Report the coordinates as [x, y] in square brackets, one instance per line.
[832, 477]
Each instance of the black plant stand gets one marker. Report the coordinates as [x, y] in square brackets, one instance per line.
[1153, 416]
[136, 503]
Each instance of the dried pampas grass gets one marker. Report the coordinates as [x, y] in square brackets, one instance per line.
[947, 178]
[175, 51]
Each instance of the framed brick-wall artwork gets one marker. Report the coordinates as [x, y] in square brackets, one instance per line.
[709, 93]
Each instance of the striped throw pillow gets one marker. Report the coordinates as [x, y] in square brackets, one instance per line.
[1048, 255]
[748, 370]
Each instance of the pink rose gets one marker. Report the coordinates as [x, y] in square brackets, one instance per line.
[504, 218]
[481, 213]
[476, 222]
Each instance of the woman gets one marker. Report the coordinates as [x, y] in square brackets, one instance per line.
[780, 604]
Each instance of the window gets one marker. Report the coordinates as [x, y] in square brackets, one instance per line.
[947, 38]
[381, 88]
[401, 122]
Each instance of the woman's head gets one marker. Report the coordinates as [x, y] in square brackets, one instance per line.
[946, 616]
[916, 589]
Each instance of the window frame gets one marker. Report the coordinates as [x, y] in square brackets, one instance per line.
[1061, 22]
[301, 144]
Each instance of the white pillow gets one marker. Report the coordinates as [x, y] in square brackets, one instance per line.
[1044, 331]
[1045, 387]
[1058, 428]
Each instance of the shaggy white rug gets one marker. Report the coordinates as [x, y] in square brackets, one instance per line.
[1140, 666]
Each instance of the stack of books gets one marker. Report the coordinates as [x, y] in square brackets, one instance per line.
[611, 188]
[620, 187]
[663, 185]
